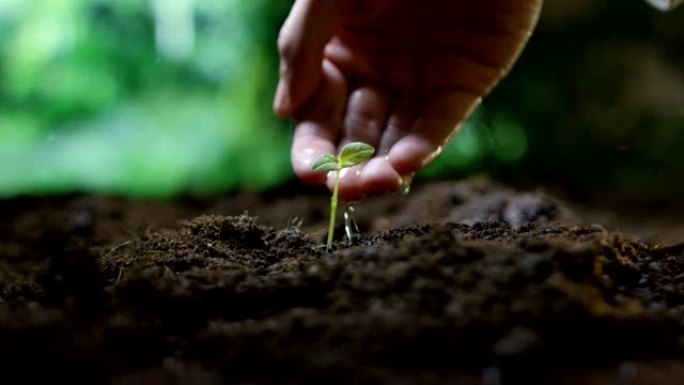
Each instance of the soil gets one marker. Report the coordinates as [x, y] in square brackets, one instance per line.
[464, 282]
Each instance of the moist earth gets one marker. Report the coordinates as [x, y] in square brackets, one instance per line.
[465, 282]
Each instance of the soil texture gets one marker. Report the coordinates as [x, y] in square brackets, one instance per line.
[463, 282]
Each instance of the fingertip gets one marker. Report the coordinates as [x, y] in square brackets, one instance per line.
[379, 177]
[375, 177]
[351, 187]
[305, 150]
[302, 168]
[412, 153]
[311, 178]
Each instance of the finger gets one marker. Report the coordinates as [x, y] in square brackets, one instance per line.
[379, 177]
[375, 177]
[302, 40]
[365, 117]
[350, 184]
[318, 125]
[438, 121]
[398, 125]
[364, 120]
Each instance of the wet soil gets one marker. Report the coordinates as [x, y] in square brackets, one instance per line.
[457, 282]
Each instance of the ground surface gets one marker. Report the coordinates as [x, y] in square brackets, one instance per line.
[468, 282]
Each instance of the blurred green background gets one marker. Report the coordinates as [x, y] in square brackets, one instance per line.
[161, 98]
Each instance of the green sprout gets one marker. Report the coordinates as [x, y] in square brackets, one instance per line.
[351, 154]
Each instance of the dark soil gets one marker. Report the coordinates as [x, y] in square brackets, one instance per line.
[454, 283]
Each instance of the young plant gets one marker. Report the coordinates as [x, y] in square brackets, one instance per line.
[351, 154]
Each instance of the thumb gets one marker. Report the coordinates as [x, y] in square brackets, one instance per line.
[302, 40]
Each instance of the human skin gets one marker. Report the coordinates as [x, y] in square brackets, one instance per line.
[400, 75]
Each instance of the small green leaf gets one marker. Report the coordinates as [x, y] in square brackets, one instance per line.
[325, 162]
[355, 153]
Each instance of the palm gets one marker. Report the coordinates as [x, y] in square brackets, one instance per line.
[402, 75]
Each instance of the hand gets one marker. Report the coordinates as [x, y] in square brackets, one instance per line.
[400, 75]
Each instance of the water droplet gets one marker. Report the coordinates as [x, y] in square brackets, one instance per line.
[406, 183]
[350, 226]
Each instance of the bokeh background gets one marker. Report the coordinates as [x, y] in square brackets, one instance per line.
[163, 98]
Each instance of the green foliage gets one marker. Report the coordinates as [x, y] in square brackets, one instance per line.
[351, 154]
[326, 162]
[355, 153]
[150, 99]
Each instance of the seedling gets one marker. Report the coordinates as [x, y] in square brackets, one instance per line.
[351, 154]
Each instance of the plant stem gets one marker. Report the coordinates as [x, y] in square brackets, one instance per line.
[333, 208]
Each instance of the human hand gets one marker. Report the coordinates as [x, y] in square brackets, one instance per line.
[400, 75]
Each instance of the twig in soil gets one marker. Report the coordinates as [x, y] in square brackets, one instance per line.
[116, 248]
[668, 250]
[295, 223]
